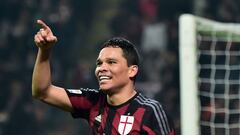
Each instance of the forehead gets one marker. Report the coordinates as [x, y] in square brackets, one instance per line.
[110, 52]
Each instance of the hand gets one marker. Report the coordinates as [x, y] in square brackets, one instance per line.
[44, 38]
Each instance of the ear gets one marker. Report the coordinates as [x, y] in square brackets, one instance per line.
[133, 70]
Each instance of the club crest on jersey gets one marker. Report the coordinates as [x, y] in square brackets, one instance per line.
[125, 124]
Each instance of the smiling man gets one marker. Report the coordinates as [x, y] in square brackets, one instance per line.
[116, 108]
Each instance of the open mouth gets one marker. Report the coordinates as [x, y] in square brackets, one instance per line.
[104, 78]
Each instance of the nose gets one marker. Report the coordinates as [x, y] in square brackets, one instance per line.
[101, 68]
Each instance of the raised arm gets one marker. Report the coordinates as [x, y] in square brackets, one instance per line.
[42, 87]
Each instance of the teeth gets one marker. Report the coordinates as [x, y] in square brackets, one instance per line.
[104, 77]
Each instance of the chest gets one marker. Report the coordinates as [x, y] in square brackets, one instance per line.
[117, 120]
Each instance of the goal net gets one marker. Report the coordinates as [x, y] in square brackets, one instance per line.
[209, 76]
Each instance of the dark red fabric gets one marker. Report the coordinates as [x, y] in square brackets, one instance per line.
[149, 117]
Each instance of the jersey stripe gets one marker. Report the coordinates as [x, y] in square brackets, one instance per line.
[155, 112]
[161, 111]
[109, 122]
[158, 111]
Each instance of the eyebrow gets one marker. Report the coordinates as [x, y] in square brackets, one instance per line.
[112, 59]
[99, 60]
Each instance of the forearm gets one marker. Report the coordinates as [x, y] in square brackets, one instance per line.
[41, 78]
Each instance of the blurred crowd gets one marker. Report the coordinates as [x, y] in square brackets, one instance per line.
[81, 26]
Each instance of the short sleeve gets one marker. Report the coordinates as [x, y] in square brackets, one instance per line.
[82, 100]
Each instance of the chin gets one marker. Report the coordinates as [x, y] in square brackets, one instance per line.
[106, 91]
[103, 88]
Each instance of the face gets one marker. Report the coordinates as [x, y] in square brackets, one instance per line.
[112, 70]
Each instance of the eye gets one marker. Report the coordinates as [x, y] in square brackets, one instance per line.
[111, 62]
[98, 63]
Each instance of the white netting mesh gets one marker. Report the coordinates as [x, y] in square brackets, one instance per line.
[218, 50]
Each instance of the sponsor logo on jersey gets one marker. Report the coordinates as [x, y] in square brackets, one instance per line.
[75, 91]
[98, 118]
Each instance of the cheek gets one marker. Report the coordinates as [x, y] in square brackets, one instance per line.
[122, 74]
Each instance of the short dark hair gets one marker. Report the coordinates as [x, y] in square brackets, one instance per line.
[130, 52]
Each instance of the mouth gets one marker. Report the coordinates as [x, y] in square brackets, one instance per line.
[103, 78]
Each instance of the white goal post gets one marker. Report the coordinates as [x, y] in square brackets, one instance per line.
[195, 32]
[188, 76]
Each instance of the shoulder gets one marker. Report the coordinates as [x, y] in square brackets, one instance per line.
[155, 117]
[84, 95]
[153, 108]
[148, 103]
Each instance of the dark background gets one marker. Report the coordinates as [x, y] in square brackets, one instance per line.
[81, 26]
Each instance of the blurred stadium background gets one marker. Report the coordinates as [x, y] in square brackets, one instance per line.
[81, 26]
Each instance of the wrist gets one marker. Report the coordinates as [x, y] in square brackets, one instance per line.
[44, 53]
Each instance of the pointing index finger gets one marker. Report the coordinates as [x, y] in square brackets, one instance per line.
[42, 24]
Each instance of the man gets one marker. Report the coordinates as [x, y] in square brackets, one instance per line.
[116, 108]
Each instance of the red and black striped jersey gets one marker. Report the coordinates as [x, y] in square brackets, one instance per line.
[137, 116]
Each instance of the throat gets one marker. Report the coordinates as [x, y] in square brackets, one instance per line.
[120, 98]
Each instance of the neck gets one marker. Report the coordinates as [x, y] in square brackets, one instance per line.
[120, 97]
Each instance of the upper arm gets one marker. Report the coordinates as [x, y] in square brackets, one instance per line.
[57, 96]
